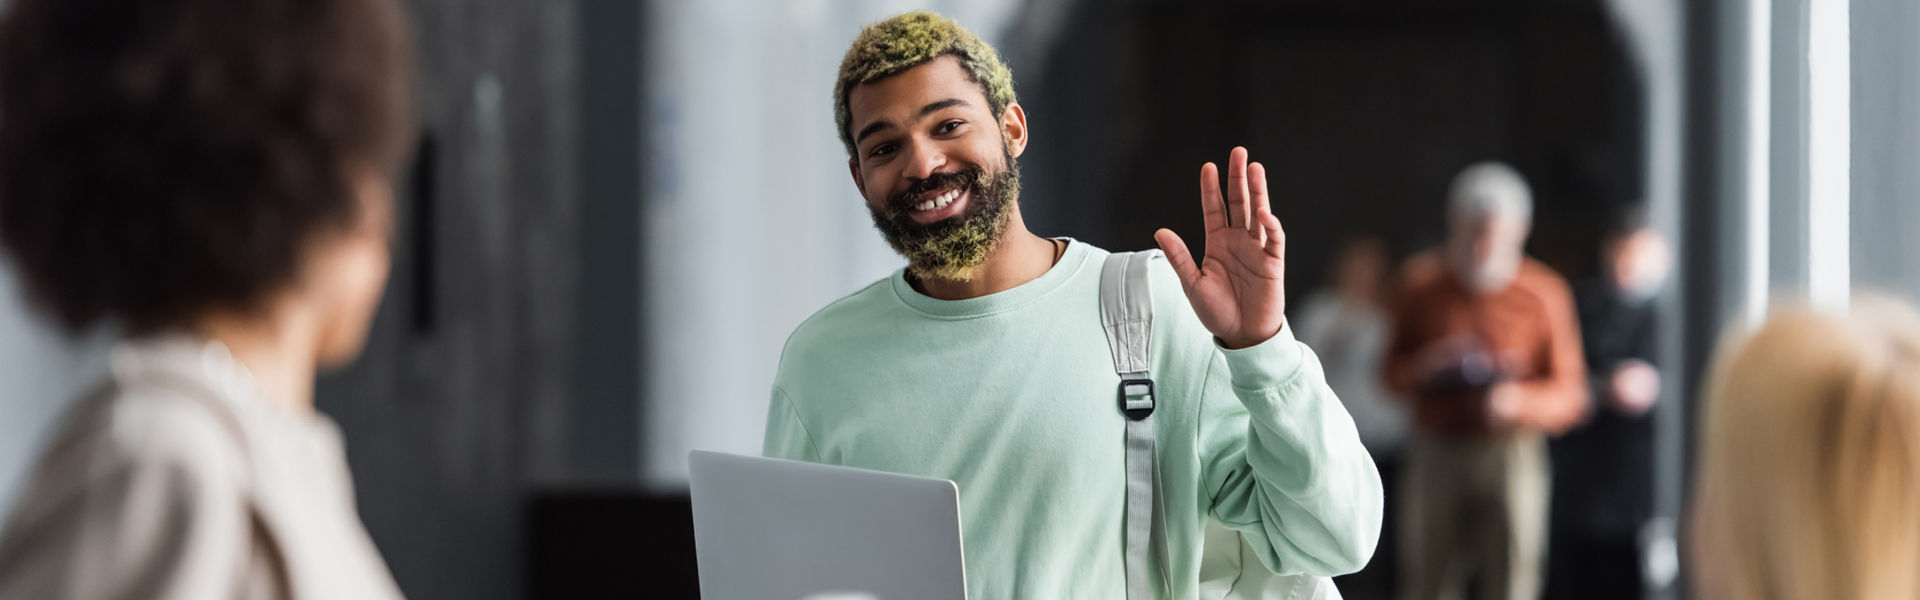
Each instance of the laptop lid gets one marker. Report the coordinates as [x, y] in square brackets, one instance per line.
[769, 528]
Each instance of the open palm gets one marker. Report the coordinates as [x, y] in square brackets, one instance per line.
[1238, 290]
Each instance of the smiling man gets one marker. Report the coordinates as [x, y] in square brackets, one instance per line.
[985, 360]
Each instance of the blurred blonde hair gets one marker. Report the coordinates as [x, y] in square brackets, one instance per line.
[1810, 469]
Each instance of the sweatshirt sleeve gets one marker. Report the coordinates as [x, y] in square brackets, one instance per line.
[787, 437]
[1283, 462]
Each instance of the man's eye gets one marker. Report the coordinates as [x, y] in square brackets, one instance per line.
[948, 127]
[881, 150]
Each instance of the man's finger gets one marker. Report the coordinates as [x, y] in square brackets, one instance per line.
[1262, 207]
[1257, 183]
[1238, 214]
[1275, 243]
[1213, 210]
[1177, 255]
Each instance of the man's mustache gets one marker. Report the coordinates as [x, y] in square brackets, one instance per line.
[969, 179]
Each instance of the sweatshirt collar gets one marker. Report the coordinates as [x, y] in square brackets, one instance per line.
[1071, 261]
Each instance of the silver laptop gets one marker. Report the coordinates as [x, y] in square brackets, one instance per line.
[779, 529]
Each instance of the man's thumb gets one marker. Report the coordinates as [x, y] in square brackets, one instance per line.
[1177, 255]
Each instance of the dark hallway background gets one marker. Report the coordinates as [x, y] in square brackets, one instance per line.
[1362, 111]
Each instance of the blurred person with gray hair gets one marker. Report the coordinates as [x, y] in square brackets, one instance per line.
[1486, 349]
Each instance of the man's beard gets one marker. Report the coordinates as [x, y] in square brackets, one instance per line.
[1490, 276]
[952, 248]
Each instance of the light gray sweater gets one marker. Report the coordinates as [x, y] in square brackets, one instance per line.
[174, 479]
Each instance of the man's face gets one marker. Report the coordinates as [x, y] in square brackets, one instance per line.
[936, 166]
[1638, 263]
[1484, 251]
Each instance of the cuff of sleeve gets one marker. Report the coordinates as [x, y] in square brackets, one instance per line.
[1267, 364]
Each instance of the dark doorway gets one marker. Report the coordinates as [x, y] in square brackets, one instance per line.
[1362, 110]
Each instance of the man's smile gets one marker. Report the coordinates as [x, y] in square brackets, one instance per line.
[939, 205]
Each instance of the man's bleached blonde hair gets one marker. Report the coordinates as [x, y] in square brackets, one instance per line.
[890, 47]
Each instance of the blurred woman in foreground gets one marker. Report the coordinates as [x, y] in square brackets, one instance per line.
[211, 178]
[1810, 472]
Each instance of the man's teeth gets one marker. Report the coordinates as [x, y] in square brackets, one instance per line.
[940, 201]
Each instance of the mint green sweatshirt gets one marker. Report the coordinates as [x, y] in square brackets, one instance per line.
[1013, 397]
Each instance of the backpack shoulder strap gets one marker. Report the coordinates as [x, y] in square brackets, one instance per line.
[1126, 311]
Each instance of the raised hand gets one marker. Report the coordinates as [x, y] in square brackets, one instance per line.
[1238, 290]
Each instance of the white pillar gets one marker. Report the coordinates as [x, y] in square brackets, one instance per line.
[1758, 157]
[1829, 152]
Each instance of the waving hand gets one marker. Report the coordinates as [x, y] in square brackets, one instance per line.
[1237, 290]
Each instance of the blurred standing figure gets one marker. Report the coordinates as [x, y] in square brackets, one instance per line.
[1810, 463]
[1346, 326]
[1604, 492]
[211, 179]
[1486, 350]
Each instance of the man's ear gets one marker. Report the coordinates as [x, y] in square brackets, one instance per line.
[1013, 129]
[853, 168]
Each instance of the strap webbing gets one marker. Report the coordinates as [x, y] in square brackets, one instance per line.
[1139, 508]
[1126, 311]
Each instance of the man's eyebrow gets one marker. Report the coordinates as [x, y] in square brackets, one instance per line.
[876, 127]
[941, 105]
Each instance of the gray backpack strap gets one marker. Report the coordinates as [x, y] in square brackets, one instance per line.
[1126, 311]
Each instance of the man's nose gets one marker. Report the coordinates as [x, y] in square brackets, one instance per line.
[1482, 248]
[924, 159]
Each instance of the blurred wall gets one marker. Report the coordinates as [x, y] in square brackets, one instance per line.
[752, 222]
[37, 373]
[605, 414]
[460, 405]
[1886, 147]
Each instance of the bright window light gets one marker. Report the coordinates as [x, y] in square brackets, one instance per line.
[1829, 118]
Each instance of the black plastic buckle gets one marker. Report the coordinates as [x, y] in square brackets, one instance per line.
[1135, 414]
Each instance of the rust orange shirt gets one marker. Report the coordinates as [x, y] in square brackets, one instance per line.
[1529, 326]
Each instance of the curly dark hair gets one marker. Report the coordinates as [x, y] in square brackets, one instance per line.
[163, 158]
